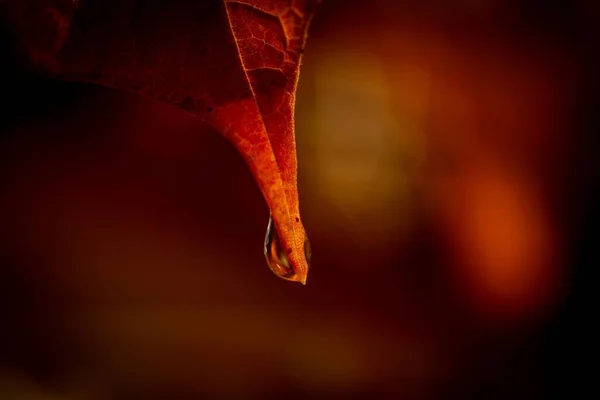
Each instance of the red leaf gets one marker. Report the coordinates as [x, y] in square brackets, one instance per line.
[232, 63]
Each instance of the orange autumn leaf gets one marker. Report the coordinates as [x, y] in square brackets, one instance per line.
[232, 63]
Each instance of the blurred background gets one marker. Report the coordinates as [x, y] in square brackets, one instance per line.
[447, 182]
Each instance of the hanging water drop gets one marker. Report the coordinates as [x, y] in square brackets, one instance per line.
[277, 258]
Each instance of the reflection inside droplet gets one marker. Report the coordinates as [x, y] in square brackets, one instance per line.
[276, 256]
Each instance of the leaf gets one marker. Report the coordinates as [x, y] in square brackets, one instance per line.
[232, 63]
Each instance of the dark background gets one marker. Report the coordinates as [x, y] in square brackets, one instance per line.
[448, 184]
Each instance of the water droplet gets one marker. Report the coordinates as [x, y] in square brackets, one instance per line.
[307, 250]
[276, 255]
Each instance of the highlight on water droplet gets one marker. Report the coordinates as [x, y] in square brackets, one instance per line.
[277, 258]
